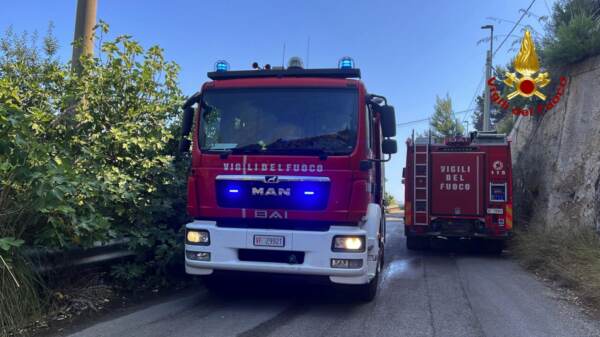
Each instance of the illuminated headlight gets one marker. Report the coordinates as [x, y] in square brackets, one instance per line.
[347, 243]
[197, 237]
[347, 263]
[197, 256]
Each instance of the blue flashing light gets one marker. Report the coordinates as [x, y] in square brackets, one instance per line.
[234, 190]
[309, 193]
[221, 66]
[346, 63]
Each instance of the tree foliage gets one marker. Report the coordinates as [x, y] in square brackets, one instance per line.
[444, 122]
[573, 32]
[88, 156]
[388, 199]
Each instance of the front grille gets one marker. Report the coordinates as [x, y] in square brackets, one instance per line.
[277, 256]
[292, 195]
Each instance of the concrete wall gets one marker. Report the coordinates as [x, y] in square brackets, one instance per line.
[556, 157]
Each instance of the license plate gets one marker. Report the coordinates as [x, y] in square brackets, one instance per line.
[269, 241]
[495, 211]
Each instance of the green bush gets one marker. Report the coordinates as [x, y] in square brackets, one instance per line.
[573, 34]
[87, 157]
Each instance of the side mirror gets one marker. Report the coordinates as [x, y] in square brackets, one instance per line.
[186, 128]
[388, 120]
[184, 145]
[389, 146]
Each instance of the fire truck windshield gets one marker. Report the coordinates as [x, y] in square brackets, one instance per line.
[279, 120]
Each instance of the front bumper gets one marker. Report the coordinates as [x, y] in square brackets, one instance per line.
[225, 244]
[449, 233]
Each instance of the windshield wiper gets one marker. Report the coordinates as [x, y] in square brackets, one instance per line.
[246, 149]
[294, 147]
[262, 149]
[250, 148]
[298, 151]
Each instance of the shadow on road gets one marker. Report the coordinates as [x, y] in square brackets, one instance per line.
[458, 247]
[257, 287]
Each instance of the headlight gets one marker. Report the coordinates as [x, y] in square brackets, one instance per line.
[197, 237]
[348, 243]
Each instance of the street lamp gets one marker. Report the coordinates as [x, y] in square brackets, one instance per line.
[488, 74]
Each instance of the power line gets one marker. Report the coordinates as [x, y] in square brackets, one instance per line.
[517, 23]
[413, 122]
[429, 118]
[514, 27]
[473, 99]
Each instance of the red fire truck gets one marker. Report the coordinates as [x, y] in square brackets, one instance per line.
[461, 188]
[287, 173]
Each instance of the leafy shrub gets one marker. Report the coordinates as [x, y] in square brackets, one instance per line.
[573, 34]
[89, 156]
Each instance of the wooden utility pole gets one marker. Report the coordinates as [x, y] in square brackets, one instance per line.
[84, 27]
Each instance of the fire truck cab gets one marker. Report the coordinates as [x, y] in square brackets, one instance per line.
[287, 174]
[459, 188]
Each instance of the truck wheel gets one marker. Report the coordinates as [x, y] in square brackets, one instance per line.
[367, 292]
[416, 243]
[382, 256]
[382, 252]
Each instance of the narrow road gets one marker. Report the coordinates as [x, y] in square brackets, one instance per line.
[442, 293]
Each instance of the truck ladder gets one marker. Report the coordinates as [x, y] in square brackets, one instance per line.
[421, 181]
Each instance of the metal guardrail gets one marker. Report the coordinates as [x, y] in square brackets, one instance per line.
[46, 260]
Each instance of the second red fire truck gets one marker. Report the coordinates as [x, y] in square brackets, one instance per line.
[459, 188]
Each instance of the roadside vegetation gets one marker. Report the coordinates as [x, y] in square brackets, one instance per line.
[568, 254]
[85, 158]
[573, 33]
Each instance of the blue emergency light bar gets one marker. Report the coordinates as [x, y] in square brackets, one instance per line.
[221, 66]
[346, 63]
[295, 72]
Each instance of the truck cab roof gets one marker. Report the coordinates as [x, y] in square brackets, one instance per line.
[289, 72]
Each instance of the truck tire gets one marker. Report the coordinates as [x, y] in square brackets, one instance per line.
[367, 292]
[416, 243]
[382, 245]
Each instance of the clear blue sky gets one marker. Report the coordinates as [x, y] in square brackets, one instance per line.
[409, 51]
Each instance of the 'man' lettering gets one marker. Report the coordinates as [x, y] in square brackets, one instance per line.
[272, 191]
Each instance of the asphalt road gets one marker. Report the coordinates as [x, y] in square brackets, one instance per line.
[445, 292]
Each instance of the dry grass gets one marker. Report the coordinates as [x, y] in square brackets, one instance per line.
[569, 256]
[19, 300]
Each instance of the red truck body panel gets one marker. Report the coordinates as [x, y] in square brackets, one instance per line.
[459, 188]
[457, 182]
[350, 187]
